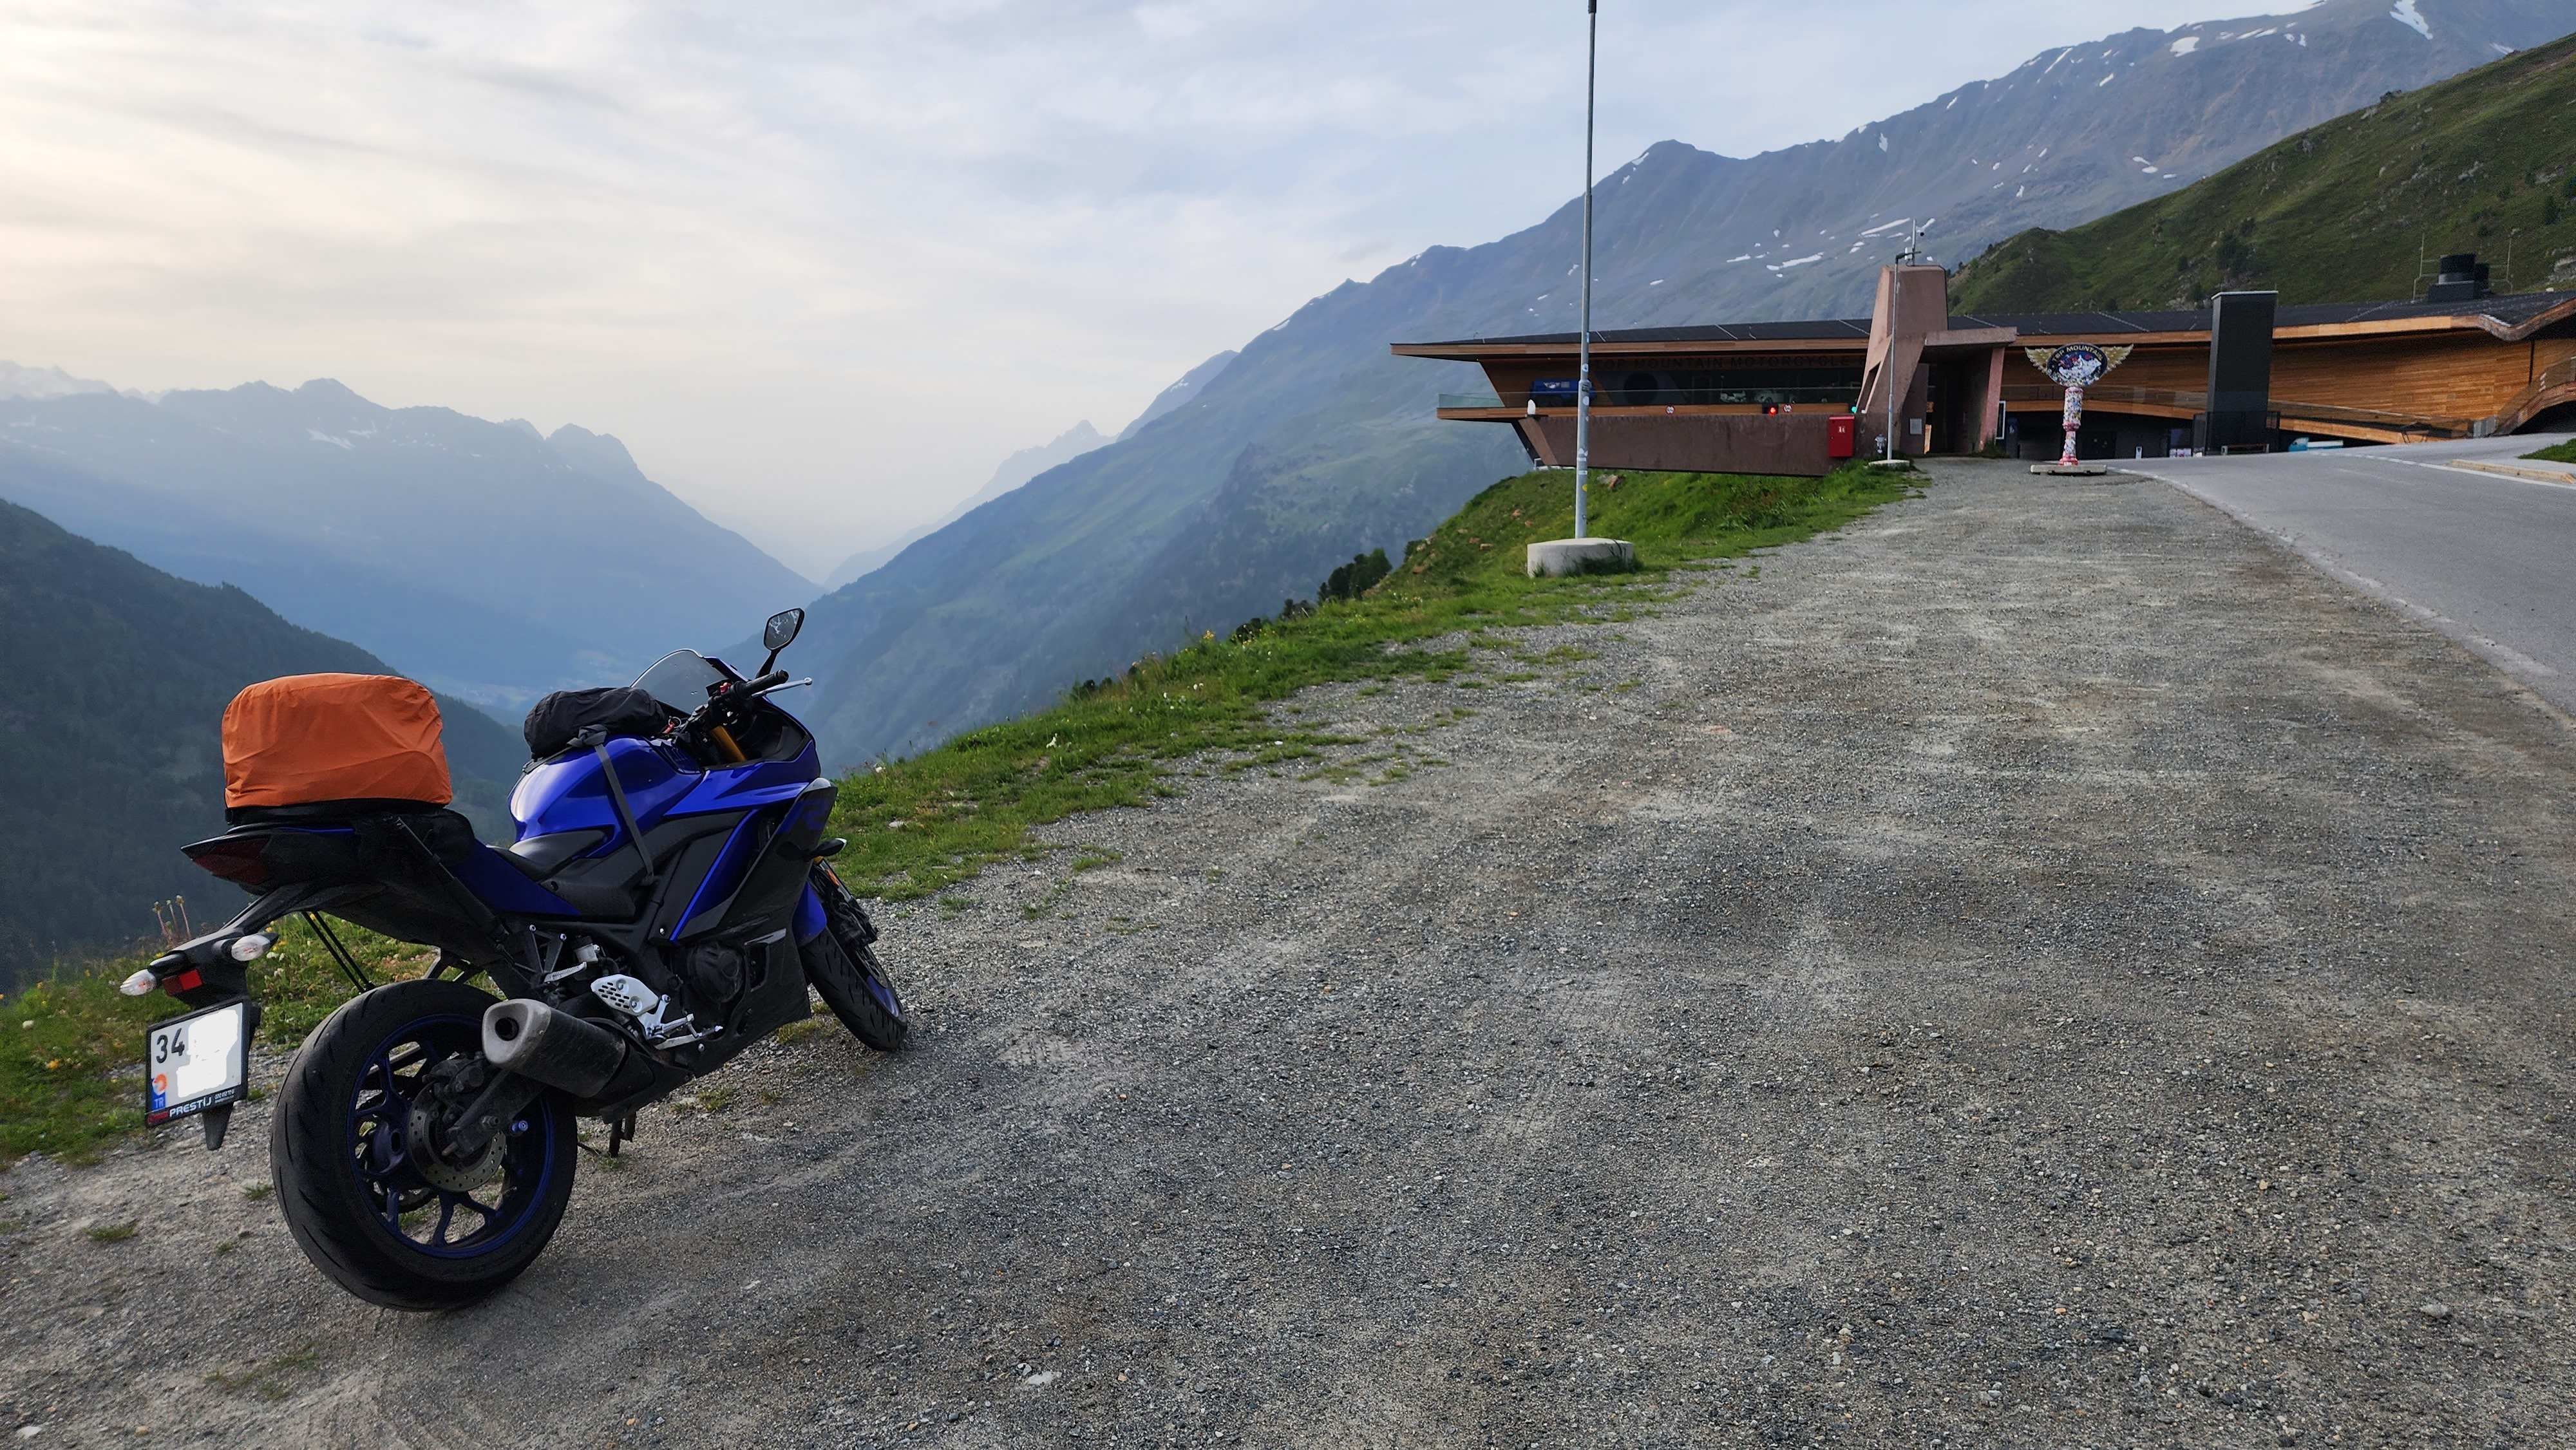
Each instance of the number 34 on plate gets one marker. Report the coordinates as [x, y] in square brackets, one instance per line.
[196, 1062]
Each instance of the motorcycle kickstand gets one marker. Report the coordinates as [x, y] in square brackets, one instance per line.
[620, 1130]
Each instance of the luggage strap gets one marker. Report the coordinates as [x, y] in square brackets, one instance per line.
[596, 737]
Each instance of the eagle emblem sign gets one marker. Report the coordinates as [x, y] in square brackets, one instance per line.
[2075, 367]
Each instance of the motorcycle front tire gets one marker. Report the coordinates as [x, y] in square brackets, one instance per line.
[856, 989]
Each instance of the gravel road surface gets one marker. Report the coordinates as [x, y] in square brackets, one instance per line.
[2483, 557]
[2043, 968]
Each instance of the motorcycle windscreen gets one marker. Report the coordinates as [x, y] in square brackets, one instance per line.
[305, 739]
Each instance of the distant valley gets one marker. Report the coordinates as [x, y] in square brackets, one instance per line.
[111, 752]
[1028, 463]
[488, 561]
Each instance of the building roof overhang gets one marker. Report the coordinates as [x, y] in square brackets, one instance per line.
[2507, 319]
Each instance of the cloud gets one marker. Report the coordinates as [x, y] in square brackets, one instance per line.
[822, 265]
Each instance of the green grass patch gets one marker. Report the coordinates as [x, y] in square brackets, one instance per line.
[975, 800]
[2555, 452]
[71, 1046]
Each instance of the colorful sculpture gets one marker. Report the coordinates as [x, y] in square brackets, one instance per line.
[2075, 367]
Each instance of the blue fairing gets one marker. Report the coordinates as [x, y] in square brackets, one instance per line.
[727, 873]
[503, 888]
[810, 920]
[744, 787]
[568, 793]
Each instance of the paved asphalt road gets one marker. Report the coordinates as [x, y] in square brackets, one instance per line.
[2488, 560]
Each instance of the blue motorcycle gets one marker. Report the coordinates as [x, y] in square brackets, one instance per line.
[667, 903]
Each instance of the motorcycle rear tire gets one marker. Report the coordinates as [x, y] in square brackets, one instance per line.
[341, 1157]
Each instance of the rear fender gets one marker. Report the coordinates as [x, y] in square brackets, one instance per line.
[202, 971]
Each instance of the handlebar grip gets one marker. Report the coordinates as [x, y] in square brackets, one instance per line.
[769, 681]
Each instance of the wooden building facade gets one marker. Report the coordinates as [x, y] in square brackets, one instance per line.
[2360, 372]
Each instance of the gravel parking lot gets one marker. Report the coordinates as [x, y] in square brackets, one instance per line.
[2041, 968]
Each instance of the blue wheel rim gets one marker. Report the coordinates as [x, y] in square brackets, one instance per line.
[441, 1223]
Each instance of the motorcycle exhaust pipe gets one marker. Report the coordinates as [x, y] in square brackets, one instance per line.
[537, 1042]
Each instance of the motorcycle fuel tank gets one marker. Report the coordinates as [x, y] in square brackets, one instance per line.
[569, 793]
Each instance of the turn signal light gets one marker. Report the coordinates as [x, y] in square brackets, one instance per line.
[250, 948]
[141, 984]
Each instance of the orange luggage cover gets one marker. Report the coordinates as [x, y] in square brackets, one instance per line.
[305, 739]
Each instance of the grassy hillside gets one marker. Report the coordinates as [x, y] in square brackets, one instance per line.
[2483, 162]
[110, 753]
[920, 825]
[923, 825]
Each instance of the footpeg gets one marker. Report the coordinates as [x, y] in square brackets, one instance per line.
[640, 1002]
[631, 997]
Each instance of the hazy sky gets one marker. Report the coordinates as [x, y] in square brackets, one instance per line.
[822, 265]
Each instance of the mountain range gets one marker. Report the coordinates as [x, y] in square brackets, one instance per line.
[111, 752]
[495, 563]
[1314, 444]
[1015, 470]
[1028, 463]
[490, 561]
[2340, 212]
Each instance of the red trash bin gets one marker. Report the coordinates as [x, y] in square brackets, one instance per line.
[1838, 435]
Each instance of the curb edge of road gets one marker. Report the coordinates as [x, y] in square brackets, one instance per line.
[2521, 669]
[2563, 477]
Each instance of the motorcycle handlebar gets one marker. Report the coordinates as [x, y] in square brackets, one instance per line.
[723, 704]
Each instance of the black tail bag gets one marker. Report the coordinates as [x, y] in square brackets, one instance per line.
[621, 709]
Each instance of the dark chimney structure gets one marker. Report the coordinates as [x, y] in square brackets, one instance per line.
[2240, 373]
[2463, 278]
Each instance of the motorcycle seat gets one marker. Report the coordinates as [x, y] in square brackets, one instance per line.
[312, 812]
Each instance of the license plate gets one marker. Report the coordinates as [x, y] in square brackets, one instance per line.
[196, 1062]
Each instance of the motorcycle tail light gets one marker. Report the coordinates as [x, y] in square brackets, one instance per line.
[244, 861]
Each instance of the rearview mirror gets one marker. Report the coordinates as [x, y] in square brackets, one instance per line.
[779, 633]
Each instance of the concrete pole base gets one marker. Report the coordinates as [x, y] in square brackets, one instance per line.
[1558, 558]
[2070, 470]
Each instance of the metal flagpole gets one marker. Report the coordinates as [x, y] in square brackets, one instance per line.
[1583, 383]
